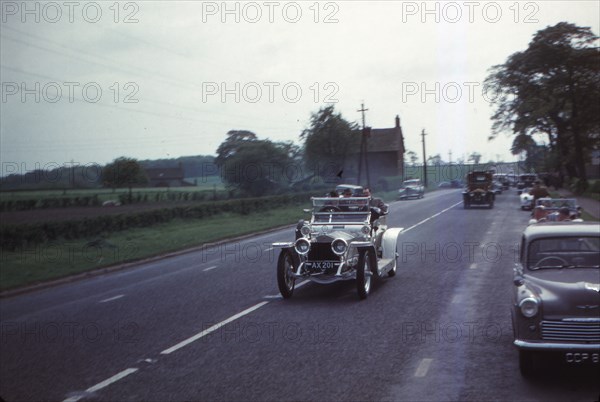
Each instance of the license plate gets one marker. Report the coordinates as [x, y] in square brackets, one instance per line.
[582, 357]
[322, 264]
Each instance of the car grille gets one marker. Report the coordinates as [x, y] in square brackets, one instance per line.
[571, 331]
[321, 252]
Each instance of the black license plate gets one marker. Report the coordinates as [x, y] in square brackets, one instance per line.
[323, 265]
[582, 357]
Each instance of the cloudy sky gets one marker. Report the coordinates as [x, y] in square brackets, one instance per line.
[91, 81]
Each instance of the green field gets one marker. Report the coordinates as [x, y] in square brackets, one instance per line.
[63, 258]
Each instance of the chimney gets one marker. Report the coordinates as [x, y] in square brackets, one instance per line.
[397, 121]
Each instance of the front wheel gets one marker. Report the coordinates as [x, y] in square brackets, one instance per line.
[363, 274]
[285, 281]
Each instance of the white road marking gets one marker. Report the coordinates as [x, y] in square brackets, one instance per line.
[457, 299]
[423, 367]
[213, 328]
[431, 217]
[111, 299]
[473, 266]
[209, 268]
[103, 384]
[269, 249]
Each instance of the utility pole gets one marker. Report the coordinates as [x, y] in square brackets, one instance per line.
[424, 159]
[363, 147]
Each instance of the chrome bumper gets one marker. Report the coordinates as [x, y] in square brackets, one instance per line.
[555, 346]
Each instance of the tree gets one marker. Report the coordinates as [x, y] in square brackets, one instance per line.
[435, 160]
[253, 166]
[552, 89]
[124, 172]
[475, 157]
[412, 156]
[329, 140]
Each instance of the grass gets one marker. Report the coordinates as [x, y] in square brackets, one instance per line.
[60, 259]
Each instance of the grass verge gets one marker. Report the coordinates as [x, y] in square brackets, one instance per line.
[68, 257]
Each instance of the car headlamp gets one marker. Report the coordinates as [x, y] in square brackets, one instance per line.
[365, 230]
[305, 230]
[529, 307]
[302, 246]
[339, 246]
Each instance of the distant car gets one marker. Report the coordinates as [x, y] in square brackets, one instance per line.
[497, 187]
[556, 297]
[526, 200]
[526, 181]
[478, 190]
[502, 178]
[411, 188]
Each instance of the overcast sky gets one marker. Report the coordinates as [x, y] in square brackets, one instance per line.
[91, 81]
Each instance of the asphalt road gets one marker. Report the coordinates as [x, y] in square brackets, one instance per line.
[209, 325]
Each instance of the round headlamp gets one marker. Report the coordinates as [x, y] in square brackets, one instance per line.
[305, 230]
[302, 246]
[529, 307]
[365, 230]
[339, 246]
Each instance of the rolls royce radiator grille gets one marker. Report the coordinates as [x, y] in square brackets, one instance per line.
[571, 331]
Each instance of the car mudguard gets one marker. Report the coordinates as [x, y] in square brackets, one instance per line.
[389, 242]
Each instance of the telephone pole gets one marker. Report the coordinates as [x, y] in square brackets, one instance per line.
[424, 159]
[363, 148]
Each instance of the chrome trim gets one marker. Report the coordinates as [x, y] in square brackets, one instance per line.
[303, 240]
[283, 244]
[345, 246]
[555, 346]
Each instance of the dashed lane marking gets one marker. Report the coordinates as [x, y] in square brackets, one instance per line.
[473, 266]
[431, 217]
[423, 367]
[103, 384]
[209, 268]
[213, 328]
[111, 299]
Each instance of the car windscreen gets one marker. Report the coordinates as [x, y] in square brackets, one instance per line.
[564, 252]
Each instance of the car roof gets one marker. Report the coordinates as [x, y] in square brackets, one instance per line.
[559, 229]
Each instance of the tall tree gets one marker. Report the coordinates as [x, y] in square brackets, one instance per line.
[124, 172]
[253, 166]
[552, 89]
[329, 140]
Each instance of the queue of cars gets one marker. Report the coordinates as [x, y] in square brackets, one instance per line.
[555, 307]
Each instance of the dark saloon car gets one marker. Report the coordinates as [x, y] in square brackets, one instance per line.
[556, 297]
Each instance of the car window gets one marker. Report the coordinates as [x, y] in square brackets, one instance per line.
[564, 252]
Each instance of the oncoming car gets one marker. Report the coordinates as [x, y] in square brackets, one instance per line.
[556, 297]
[411, 188]
[345, 239]
[526, 199]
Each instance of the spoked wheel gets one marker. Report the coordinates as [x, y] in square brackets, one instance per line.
[285, 281]
[364, 272]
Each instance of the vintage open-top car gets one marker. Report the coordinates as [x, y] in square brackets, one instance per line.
[479, 190]
[555, 210]
[411, 188]
[556, 298]
[345, 239]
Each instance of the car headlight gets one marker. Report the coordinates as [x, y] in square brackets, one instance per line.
[339, 246]
[529, 307]
[305, 230]
[302, 246]
[366, 229]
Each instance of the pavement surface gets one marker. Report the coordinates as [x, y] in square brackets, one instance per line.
[210, 325]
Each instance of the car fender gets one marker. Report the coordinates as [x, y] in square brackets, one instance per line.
[389, 242]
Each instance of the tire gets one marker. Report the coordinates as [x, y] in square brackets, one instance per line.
[526, 363]
[392, 272]
[364, 280]
[285, 281]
